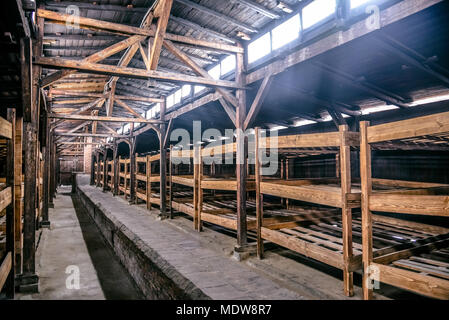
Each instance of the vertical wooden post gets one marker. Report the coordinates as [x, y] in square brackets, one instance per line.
[163, 163]
[148, 173]
[132, 167]
[242, 145]
[10, 209]
[92, 170]
[46, 177]
[200, 190]
[259, 203]
[345, 165]
[366, 186]
[18, 206]
[196, 168]
[53, 172]
[170, 182]
[116, 170]
[125, 181]
[105, 171]
[98, 169]
[29, 279]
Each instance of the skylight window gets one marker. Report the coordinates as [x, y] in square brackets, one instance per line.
[228, 64]
[358, 3]
[126, 128]
[303, 122]
[286, 32]
[156, 109]
[375, 109]
[170, 101]
[259, 48]
[178, 95]
[186, 89]
[149, 114]
[215, 72]
[317, 11]
[198, 89]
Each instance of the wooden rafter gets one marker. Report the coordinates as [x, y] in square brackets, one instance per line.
[132, 72]
[96, 57]
[258, 101]
[102, 118]
[98, 25]
[162, 12]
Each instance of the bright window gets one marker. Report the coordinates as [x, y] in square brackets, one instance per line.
[228, 64]
[317, 11]
[170, 101]
[199, 89]
[178, 95]
[156, 109]
[120, 131]
[259, 48]
[186, 89]
[215, 72]
[286, 32]
[148, 114]
[358, 3]
[126, 128]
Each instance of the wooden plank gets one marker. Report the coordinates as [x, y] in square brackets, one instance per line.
[345, 176]
[5, 269]
[415, 282]
[5, 129]
[311, 194]
[367, 223]
[304, 247]
[420, 126]
[410, 204]
[5, 198]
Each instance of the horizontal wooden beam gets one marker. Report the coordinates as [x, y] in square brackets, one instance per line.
[100, 95]
[101, 118]
[87, 23]
[97, 68]
[96, 135]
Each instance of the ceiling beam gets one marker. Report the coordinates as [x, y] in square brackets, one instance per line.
[131, 72]
[163, 9]
[101, 118]
[87, 23]
[97, 57]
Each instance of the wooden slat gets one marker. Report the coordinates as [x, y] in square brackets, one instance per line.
[426, 125]
[5, 129]
[410, 204]
[5, 268]
[5, 198]
[412, 281]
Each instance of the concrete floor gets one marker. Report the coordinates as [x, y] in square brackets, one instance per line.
[74, 242]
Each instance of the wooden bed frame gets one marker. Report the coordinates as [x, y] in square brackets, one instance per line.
[313, 191]
[8, 192]
[414, 267]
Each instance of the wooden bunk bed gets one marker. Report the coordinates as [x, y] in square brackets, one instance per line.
[325, 227]
[7, 205]
[214, 199]
[420, 266]
[306, 234]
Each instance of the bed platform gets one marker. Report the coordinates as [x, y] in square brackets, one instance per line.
[420, 267]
